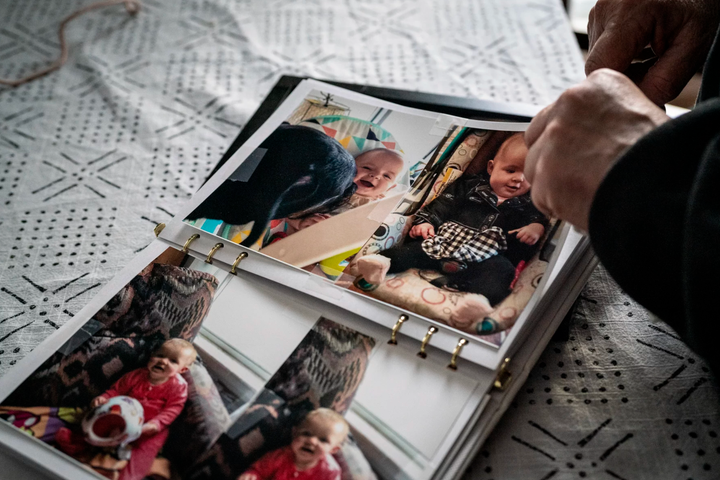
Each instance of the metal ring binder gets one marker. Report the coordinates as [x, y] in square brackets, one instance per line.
[158, 228]
[504, 376]
[237, 261]
[425, 341]
[456, 353]
[212, 251]
[192, 238]
[393, 336]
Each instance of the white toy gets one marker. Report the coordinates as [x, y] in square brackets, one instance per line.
[116, 423]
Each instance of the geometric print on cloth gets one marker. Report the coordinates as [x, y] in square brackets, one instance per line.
[466, 244]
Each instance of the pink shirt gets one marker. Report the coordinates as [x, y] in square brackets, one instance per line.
[161, 403]
[280, 465]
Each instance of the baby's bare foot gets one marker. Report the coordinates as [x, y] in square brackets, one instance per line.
[373, 268]
[469, 308]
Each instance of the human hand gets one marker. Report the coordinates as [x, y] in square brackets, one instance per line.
[301, 223]
[424, 230]
[529, 234]
[150, 428]
[574, 142]
[97, 401]
[680, 33]
[312, 220]
[247, 476]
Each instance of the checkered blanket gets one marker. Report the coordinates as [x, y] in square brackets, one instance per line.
[466, 244]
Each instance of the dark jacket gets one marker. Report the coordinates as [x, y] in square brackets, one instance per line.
[471, 202]
[655, 220]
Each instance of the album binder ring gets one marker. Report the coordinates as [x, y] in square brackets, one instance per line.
[158, 228]
[425, 341]
[212, 251]
[456, 353]
[393, 335]
[192, 238]
[239, 259]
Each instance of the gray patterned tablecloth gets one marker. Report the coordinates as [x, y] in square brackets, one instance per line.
[93, 156]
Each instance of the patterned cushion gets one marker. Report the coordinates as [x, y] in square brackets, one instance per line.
[203, 420]
[74, 380]
[162, 299]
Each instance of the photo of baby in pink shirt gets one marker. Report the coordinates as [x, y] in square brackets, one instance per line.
[162, 392]
[309, 455]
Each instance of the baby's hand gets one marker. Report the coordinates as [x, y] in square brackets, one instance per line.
[247, 476]
[150, 428]
[529, 234]
[313, 219]
[424, 230]
[97, 401]
[301, 223]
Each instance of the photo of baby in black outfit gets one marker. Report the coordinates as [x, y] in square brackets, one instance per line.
[476, 232]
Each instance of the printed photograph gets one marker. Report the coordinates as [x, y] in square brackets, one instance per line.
[466, 246]
[438, 221]
[295, 427]
[128, 390]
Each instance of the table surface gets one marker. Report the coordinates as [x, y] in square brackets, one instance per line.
[93, 156]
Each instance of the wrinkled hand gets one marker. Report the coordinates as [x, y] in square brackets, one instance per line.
[680, 33]
[424, 230]
[150, 428]
[574, 142]
[529, 234]
[97, 401]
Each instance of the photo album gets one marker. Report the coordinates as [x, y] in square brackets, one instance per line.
[357, 292]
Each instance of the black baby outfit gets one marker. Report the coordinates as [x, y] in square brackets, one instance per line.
[471, 246]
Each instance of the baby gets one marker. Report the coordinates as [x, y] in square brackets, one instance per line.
[161, 391]
[475, 232]
[308, 456]
[377, 171]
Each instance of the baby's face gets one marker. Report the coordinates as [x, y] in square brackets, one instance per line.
[315, 438]
[507, 170]
[376, 172]
[167, 362]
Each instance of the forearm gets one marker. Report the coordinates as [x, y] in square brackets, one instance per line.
[651, 226]
[167, 415]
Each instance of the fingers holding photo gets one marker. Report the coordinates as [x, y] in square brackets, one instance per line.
[575, 141]
[679, 33]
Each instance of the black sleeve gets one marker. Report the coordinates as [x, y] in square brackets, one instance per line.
[441, 208]
[530, 215]
[655, 225]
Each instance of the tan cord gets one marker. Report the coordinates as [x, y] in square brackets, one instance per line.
[132, 7]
